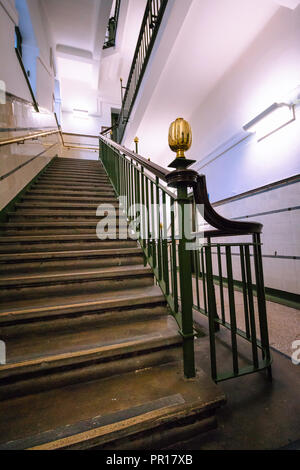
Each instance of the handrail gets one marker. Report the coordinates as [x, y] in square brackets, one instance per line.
[77, 147]
[150, 25]
[35, 104]
[17, 168]
[109, 129]
[82, 135]
[225, 227]
[216, 220]
[23, 138]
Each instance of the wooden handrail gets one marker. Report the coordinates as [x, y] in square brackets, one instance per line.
[225, 227]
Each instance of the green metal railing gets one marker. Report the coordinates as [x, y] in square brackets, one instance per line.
[150, 26]
[201, 279]
[111, 33]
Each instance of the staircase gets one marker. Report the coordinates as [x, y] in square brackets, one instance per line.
[93, 355]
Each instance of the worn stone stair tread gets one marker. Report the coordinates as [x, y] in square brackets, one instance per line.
[101, 183]
[90, 192]
[100, 412]
[79, 186]
[74, 179]
[50, 205]
[35, 308]
[61, 345]
[57, 213]
[109, 272]
[45, 199]
[70, 237]
[76, 174]
[76, 223]
[55, 243]
[13, 257]
[84, 357]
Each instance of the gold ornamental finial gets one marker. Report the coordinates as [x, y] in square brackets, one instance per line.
[180, 137]
[136, 140]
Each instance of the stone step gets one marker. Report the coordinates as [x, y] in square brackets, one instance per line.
[75, 181]
[150, 410]
[39, 285]
[77, 187]
[59, 227]
[77, 162]
[53, 206]
[55, 229]
[73, 190]
[61, 260]
[56, 359]
[17, 244]
[43, 214]
[26, 317]
[52, 199]
[70, 195]
[76, 174]
[72, 163]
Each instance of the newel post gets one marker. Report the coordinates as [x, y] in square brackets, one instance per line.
[180, 140]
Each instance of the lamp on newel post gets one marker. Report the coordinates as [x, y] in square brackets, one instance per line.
[180, 140]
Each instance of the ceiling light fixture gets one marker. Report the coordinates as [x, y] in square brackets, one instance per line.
[271, 120]
[80, 113]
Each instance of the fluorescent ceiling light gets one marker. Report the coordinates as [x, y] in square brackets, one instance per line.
[271, 120]
[80, 113]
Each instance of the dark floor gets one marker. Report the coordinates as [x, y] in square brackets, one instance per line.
[259, 415]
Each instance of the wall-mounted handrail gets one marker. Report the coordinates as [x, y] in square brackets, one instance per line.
[17, 168]
[16, 140]
[35, 104]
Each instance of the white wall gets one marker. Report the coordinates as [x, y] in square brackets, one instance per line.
[11, 73]
[268, 70]
[44, 72]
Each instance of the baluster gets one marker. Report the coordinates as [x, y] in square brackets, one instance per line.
[174, 259]
[251, 307]
[244, 287]
[232, 311]
[165, 254]
[211, 312]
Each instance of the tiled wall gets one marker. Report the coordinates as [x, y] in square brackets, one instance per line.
[18, 118]
[279, 212]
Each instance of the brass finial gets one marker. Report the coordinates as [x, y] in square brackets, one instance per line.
[136, 140]
[180, 137]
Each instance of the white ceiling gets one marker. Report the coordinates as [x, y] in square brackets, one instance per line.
[78, 30]
[74, 22]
